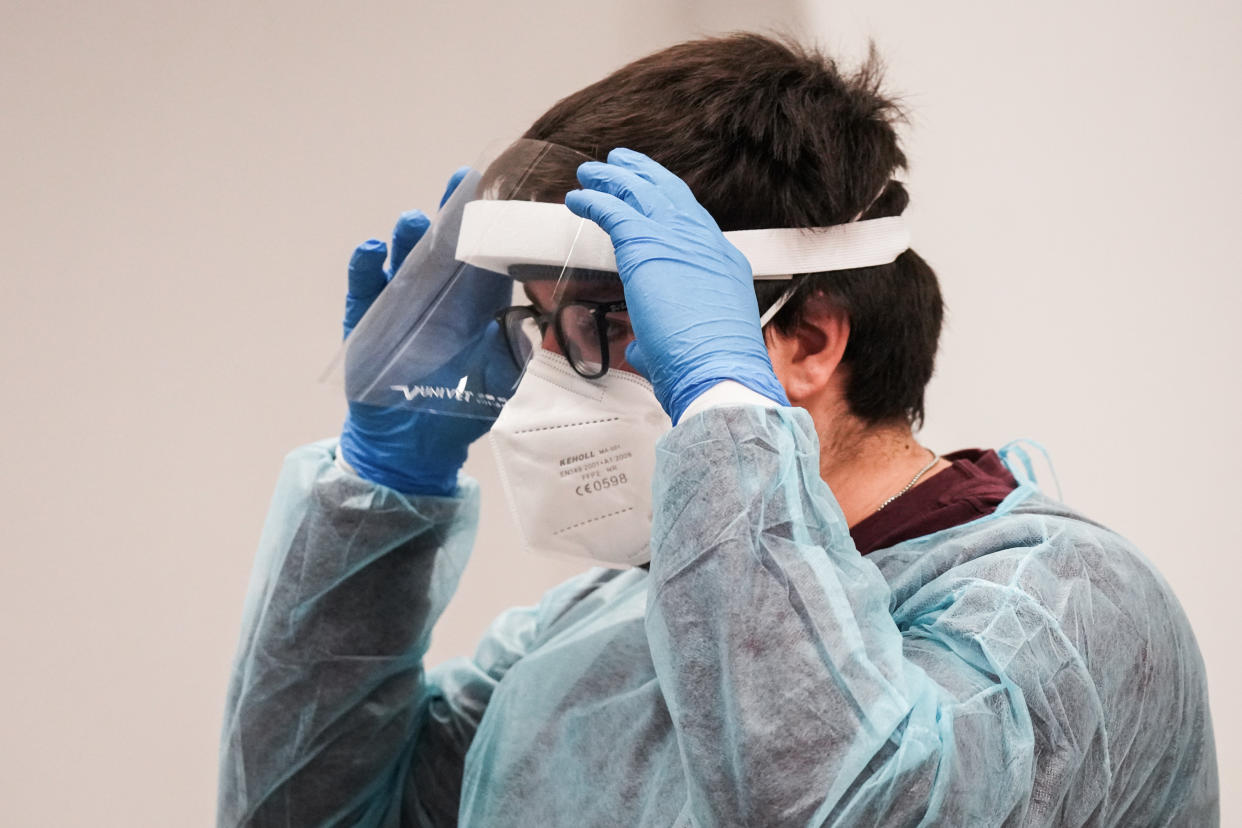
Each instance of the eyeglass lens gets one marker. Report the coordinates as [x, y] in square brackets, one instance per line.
[523, 332]
[593, 341]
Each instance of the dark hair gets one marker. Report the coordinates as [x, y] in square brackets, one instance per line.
[768, 133]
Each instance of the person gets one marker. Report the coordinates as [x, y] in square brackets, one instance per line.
[831, 624]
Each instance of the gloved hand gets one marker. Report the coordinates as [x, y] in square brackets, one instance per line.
[411, 451]
[689, 291]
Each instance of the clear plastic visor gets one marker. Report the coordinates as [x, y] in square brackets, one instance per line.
[453, 338]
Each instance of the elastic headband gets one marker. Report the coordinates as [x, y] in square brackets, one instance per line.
[503, 235]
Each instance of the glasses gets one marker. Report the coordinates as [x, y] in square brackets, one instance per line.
[591, 335]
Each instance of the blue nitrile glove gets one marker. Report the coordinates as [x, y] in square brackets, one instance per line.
[407, 450]
[689, 292]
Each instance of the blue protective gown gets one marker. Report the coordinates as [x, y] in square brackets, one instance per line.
[1027, 668]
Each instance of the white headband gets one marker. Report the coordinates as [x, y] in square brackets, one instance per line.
[495, 235]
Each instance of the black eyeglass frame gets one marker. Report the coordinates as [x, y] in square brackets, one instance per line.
[599, 312]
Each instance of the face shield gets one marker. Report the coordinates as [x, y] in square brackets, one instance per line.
[435, 340]
[506, 269]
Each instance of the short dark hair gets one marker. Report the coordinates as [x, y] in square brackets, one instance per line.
[768, 133]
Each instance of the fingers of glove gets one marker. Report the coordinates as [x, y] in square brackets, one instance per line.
[366, 280]
[453, 181]
[406, 233]
[606, 210]
[670, 185]
[625, 184]
[648, 168]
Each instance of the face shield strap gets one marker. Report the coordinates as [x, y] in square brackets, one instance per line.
[775, 307]
[503, 235]
[789, 292]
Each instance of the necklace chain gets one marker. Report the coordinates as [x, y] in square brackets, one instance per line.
[935, 459]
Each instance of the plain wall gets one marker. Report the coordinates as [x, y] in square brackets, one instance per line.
[183, 184]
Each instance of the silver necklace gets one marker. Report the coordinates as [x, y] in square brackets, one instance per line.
[935, 459]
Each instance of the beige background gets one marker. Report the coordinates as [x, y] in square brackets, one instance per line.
[183, 184]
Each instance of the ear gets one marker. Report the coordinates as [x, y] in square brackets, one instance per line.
[807, 361]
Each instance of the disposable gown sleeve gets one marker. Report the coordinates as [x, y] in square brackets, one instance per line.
[796, 697]
[331, 717]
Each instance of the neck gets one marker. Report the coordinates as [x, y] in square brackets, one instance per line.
[866, 465]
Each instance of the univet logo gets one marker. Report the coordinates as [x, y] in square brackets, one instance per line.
[442, 392]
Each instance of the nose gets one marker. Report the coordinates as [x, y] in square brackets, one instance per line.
[549, 342]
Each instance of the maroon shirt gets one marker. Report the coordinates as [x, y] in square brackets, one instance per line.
[972, 487]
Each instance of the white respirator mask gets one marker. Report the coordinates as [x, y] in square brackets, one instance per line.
[576, 459]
